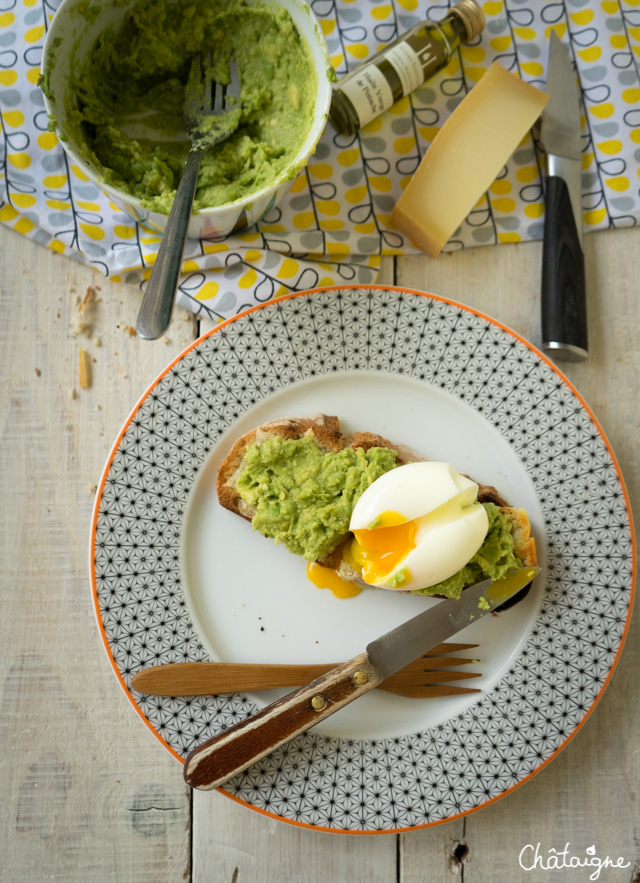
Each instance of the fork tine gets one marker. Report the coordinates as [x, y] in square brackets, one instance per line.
[208, 81]
[433, 662]
[441, 677]
[218, 98]
[402, 679]
[233, 89]
[448, 648]
[192, 93]
[431, 691]
[431, 676]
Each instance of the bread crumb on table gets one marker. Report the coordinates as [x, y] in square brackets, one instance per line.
[83, 320]
[84, 369]
[128, 329]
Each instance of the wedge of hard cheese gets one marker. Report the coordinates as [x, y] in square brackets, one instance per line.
[466, 156]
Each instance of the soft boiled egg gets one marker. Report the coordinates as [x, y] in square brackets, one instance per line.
[416, 526]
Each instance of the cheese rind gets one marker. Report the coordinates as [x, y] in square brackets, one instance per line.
[466, 156]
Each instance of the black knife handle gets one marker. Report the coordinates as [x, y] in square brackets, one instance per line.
[563, 300]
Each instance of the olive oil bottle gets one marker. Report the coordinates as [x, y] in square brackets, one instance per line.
[400, 67]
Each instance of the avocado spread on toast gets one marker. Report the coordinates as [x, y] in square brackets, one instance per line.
[304, 499]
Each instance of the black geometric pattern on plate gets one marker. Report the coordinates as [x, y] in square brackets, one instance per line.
[423, 777]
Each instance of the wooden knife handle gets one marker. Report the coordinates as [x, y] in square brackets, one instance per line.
[563, 300]
[232, 751]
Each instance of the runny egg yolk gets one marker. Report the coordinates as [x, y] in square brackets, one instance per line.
[384, 545]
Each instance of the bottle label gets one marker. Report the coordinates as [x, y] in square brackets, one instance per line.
[369, 93]
[431, 54]
[407, 65]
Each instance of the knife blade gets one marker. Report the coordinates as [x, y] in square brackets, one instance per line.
[563, 292]
[235, 749]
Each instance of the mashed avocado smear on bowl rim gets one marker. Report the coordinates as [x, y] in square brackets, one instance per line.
[115, 93]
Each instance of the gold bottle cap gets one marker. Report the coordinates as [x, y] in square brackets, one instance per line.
[472, 16]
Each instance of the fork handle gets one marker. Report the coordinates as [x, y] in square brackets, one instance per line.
[207, 678]
[232, 751]
[157, 303]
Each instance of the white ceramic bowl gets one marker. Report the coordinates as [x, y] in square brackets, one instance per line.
[73, 32]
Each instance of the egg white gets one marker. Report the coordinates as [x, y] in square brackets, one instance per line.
[412, 490]
[440, 550]
[451, 524]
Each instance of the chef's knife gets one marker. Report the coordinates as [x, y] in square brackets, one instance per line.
[563, 296]
[215, 762]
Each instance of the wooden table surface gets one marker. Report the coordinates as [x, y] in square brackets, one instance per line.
[86, 793]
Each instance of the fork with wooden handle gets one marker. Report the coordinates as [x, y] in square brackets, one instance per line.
[429, 676]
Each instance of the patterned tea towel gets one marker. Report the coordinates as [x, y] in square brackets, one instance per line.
[334, 223]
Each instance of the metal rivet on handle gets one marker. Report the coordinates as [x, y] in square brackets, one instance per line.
[318, 702]
[360, 678]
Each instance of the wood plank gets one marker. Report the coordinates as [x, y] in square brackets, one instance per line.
[433, 854]
[86, 792]
[587, 796]
[232, 843]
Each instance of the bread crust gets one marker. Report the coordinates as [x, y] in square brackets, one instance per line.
[524, 545]
[326, 433]
[328, 436]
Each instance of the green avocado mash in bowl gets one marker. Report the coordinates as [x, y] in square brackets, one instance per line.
[114, 74]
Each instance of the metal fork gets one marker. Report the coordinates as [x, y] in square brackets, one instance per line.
[211, 114]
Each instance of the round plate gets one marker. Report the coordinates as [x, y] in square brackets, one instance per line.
[176, 578]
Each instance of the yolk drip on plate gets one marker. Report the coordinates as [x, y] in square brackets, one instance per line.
[327, 578]
[374, 552]
[384, 545]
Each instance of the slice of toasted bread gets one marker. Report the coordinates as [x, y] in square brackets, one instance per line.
[328, 436]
